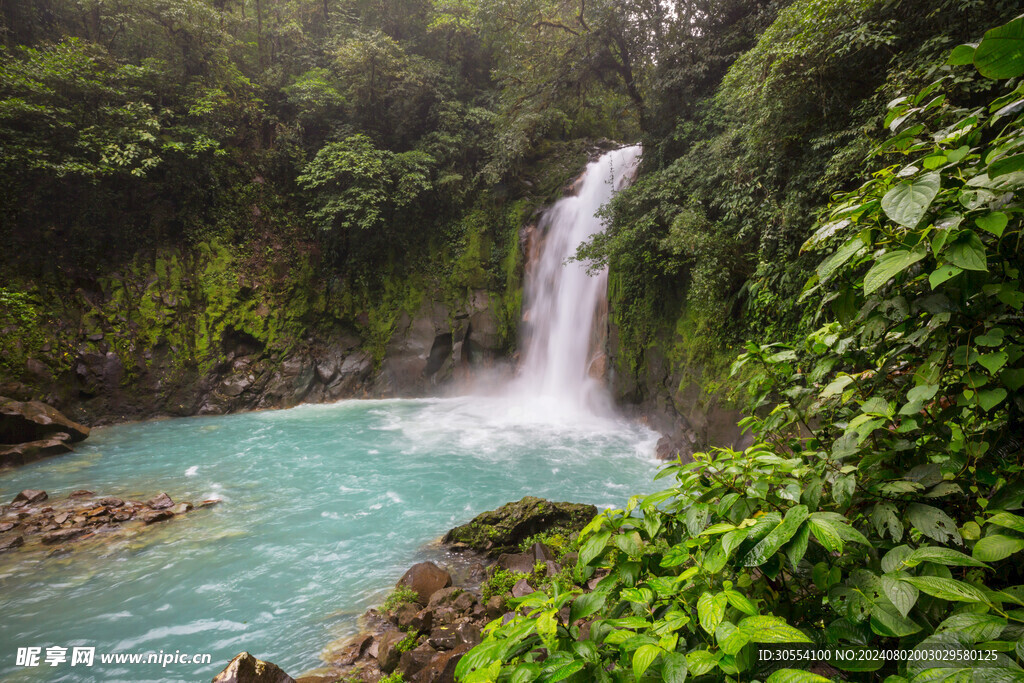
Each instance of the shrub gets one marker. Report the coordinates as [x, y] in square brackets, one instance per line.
[400, 596]
[877, 506]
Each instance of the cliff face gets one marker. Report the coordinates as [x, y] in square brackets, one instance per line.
[200, 331]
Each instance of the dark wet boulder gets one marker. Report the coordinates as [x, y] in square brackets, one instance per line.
[245, 668]
[415, 660]
[441, 668]
[26, 421]
[426, 578]
[503, 530]
[28, 497]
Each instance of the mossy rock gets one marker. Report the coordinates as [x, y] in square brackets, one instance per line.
[502, 530]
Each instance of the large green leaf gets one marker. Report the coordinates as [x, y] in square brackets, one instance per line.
[908, 202]
[946, 556]
[997, 547]
[699, 662]
[711, 610]
[775, 539]
[933, 523]
[967, 251]
[977, 627]
[843, 254]
[585, 605]
[962, 54]
[768, 629]
[1000, 54]
[674, 670]
[593, 547]
[643, 658]
[1008, 520]
[902, 594]
[826, 534]
[946, 589]
[889, 265]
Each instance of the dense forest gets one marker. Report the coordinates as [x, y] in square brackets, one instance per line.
[831, 188]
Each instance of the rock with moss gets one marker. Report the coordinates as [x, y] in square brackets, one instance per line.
[503, 530]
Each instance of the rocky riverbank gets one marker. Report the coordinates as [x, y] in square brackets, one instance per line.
[33, 521]
[30, 430]
[437, 614]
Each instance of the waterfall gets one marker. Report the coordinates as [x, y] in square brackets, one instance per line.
[562, 300]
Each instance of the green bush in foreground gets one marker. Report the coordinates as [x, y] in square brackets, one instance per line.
[876, 507]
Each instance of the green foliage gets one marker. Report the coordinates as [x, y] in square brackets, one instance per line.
[407, 643]
[500, 583]
[395, 677]
[879, 504]
[557, 539]
[400, 596]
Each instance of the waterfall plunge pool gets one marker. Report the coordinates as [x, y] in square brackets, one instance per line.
[324, 507]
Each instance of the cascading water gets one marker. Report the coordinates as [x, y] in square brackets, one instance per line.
[562, 299]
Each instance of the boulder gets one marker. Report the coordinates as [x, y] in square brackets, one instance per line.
[22, 422]
[521, 563]
[28, 497]
[411, 619]
[467, 633]
[503, 530]
[160, 502]
[24, 453]
[443, 637]
[157, 516]
[426, 578]
[495, 607]
[522, 589]
[415, 660]
[441, 668]
[542, 553]
[444, 597]
[245, 668]
[111, 502]
[403, 615]
[387, 650]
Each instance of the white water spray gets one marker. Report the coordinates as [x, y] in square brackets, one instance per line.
[562, 300]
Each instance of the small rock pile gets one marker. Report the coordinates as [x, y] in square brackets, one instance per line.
[32, 516]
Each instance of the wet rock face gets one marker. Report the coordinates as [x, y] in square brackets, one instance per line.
[503, 530]
[425, 578]
[245, 668]
[30, 430]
